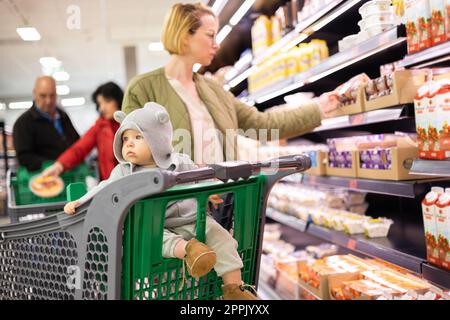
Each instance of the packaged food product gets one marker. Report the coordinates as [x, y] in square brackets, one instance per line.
[397, 281]
[437, 21]
[443, 228]
[374, 7]
[442, 100]
[376, 228]
[376, 18]
[399, 10]
[424, 23]
[354, 224]
[412, 30]
[353, 197]
[430, 223]
[322, 250]
[447, 18]
[366, 289]
[374, 29]
[421, 116]
[276, 28]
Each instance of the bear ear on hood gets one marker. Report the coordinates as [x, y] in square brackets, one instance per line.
[119, 116]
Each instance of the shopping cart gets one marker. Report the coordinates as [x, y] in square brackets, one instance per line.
[21, 201]
[112, 247]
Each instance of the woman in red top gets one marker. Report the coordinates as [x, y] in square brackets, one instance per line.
[108, 98]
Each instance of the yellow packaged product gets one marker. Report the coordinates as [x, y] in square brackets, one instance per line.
[276, 29]
[304, 57]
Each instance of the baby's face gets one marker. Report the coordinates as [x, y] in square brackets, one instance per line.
[135, 149]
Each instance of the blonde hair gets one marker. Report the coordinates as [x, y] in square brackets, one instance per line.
[182, 19]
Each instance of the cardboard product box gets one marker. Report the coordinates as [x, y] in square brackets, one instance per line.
[396, 163]
[402, 88]
[318, 160]
[353, 108]
[347, 170]
[286, 285]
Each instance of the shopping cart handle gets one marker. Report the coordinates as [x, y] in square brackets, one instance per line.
[300, 162]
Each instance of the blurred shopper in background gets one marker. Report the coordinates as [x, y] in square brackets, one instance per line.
[44, 131]
[108, 98]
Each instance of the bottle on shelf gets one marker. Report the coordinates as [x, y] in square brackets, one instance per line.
[430, 225]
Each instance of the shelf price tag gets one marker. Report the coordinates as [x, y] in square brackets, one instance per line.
[353, 184]
[356, 119]
[351, 244]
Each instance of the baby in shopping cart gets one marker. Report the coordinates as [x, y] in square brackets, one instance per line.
[144, 140]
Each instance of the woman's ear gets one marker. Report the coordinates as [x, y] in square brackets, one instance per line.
[119, 116]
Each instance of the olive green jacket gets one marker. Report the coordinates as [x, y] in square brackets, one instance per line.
[226, 111]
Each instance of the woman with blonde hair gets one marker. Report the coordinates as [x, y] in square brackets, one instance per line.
[200, 106]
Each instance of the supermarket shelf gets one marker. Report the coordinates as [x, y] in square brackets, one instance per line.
[303, 30]
[383, 248]
[436, 275]
[266, 292]
[401, 253]
[431, 167]
[287, 220]
[380, 43]
[407, 189]
[428, 57]
[365, 118]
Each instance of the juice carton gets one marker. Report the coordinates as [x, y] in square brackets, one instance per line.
[429, 221]
[424, 23]
[438, 34]
[432, 119]
[447, 18]
[420, 109]
[412, 32]
[442, 99]
[443, 228]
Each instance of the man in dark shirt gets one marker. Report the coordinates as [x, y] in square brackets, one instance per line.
[44, 131]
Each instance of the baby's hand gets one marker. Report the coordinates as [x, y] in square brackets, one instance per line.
[69, 208]
[215, 199]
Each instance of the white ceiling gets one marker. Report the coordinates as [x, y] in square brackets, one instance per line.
[91, 55]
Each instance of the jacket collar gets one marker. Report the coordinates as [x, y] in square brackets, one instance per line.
[36, 115]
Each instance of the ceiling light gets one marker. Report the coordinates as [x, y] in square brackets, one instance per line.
[62, 90]
[20, 105]
[223, 33]
[61, 76]
[155, 46]
[29, 34]
[196, 67]
[237, 16]
[73, 102]
[218, 6]
[50, 62]
[2, 106]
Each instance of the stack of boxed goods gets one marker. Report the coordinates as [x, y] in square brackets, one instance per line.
[427, 23]
[347, 277]
[351, 96]
[377, 17]
[283, 65]
[261, 35]
[436, 219]
[382, 156]
[393, 87]
[432, 112]
[279, 261]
